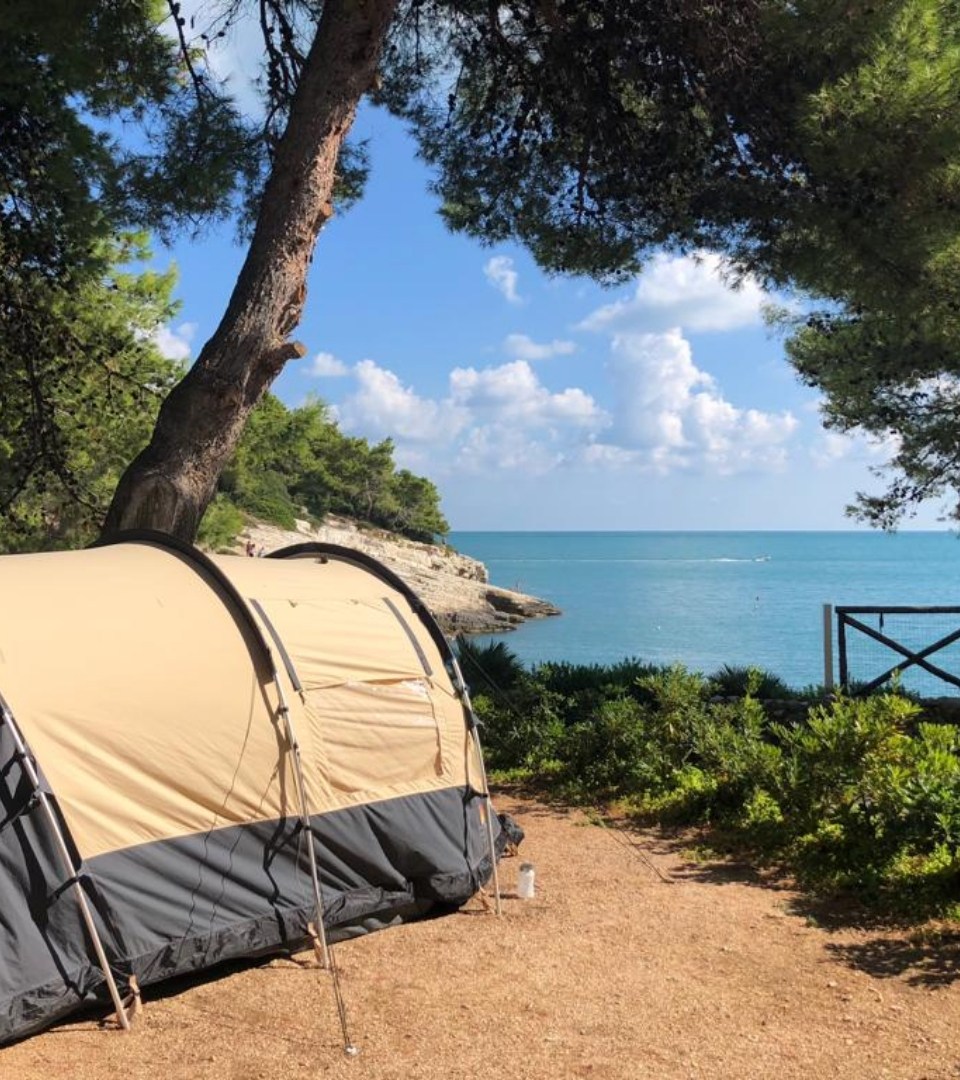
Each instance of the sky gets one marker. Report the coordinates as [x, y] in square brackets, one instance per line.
[536, 402]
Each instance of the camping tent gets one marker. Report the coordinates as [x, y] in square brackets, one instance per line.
[198, 754]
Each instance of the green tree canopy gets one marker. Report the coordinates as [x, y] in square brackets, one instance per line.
[72, 76]
[885, 351]
[816, 144]
[81, 381]
[595, 131]
[295, 463]
[813, 142]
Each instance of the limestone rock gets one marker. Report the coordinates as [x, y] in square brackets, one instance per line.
[454, 586]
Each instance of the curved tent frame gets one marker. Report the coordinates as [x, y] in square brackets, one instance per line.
[102, 864]
[358, 558]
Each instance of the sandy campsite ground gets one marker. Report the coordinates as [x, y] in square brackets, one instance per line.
[631, 962]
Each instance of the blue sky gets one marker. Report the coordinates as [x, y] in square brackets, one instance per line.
[545, 403]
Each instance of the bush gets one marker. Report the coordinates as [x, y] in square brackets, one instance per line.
[872, 807]
[860, 795]
[675, 701]
[522, 732]
[736, 681]
[688, 800]
[844, 764]
[609, 679]
[931, 789]
[731, 744]
[265, 495]
[220, 525]
[489, 668]
[609, 753]
[925, 883]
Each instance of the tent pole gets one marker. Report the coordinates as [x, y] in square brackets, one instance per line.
[327, 953]
[319, 931]
[66, 861]
[475, 732]
[304, 819]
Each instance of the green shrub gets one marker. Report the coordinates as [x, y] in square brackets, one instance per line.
[866, 800]
[608, 679]
[844, 764]
[522, 732]
[265, 495]
[220, 525]
[609, 753]
[731, 744]
[490, 667]
[675, 701]
[931, 789]
[687, 801]
[760, 821]
[927, 883]
[860, 795]
[731, 681]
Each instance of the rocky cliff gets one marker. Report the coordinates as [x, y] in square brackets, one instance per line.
[455, 587]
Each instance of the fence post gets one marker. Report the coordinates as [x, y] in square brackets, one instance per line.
[842, 650]
[828, 647]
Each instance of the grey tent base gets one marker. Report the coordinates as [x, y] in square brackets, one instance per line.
[173, 907]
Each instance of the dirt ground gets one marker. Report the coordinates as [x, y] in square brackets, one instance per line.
[631, 962]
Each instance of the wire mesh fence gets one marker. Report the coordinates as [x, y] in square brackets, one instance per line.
[918, 646]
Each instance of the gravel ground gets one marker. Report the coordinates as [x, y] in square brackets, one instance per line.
[631, 962]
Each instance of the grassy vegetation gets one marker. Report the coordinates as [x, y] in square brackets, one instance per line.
[856, 796]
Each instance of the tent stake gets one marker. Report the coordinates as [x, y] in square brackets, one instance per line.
[66, 862]
[475, 732]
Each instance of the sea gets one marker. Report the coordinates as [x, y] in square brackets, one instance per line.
[708, 599]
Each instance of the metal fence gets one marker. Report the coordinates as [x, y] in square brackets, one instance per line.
[919, 646]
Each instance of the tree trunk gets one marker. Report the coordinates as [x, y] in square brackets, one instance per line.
[171, 482]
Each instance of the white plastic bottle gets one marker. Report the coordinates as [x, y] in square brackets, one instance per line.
[525, 881]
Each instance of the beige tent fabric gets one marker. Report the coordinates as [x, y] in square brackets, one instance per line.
[135, 687]
[379, 713]
[376, 735]
[341, 641]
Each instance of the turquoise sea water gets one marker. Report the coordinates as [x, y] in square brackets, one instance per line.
[713, 598]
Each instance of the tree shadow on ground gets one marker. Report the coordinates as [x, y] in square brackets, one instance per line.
[536, 801]
[701, 861]
[881, 945]
[930, 959]
[886, 947]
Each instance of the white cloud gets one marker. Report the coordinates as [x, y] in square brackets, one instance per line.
[236, 58]
[606, 455]
[175, 341]
[326, 366]
[685, 291]
[521, 347]
[499, 417]
[382, 406]
[831, 447]
[500, 273]
[507, 448]
[671, 414]
[667, 415]
[512, 393]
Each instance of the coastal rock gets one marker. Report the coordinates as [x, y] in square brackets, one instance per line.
[519, 605]
[455, 587]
